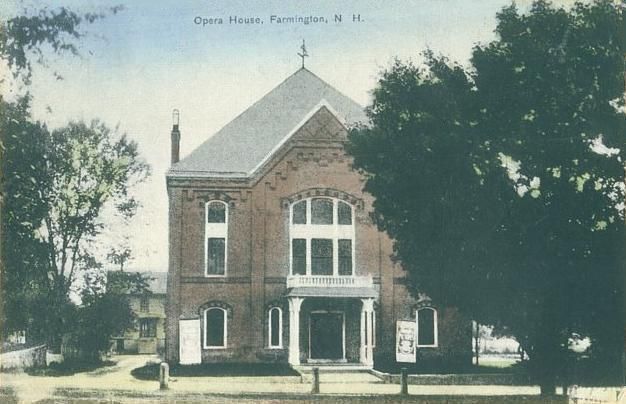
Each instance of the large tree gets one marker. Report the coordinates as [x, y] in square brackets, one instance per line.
[24, 262]
[502, 183]
[105, 312]
[56, 184]
[89, 166]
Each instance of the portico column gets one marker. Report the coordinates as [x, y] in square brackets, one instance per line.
[367, 340]
[294, 330]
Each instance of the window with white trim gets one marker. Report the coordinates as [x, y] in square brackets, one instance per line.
[275, 327]
[426, 327]
[215, 327]
[321, 237]
[215, 244]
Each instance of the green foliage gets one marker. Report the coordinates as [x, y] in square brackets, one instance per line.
[91, 167]
[102, 317]
[124, 283]
[23, 176]
[55, 185]
[502, 184]
[25, 36]
[105, 312]
[119, 255]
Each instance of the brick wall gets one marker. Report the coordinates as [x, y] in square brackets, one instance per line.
[312, 162]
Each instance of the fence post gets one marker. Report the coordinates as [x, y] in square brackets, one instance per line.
[164, 375]
[315, 388]
[404, 382]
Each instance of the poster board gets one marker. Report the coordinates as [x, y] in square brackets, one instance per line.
[189, 349]
[405, 341]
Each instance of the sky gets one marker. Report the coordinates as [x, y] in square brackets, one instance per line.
[154, 56]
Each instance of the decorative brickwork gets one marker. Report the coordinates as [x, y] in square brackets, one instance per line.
[360, 316]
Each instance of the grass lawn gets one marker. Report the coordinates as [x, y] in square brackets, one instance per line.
[151, 371]
[69, 368]
[499, 364]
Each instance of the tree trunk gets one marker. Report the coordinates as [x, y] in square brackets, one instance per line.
[548, 387]
[547, 358]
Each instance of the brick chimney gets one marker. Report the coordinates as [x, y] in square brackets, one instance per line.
[175, 136]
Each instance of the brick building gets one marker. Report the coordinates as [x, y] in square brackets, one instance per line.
[273, 256]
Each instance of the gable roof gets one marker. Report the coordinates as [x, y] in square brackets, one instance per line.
[157, 282]
[249, 140]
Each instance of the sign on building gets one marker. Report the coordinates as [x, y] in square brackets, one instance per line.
[189, 338]
[405, 341]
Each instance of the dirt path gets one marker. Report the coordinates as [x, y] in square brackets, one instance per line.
[29, 389]
[109, 382]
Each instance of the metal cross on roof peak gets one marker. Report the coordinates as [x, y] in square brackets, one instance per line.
[304, 53]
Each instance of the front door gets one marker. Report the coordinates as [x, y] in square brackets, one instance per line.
[326, 335]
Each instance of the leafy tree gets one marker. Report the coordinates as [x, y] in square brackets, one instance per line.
[23, 167]
[57, 184]
[89, 167]
[29, 36]
[120, 255]
[105, 312]
[502, 184]
[564, 78]
[48, 214]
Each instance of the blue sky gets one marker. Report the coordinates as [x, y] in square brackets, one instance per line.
[138, 65]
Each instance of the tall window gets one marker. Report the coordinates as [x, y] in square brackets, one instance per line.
[215, 330]
[427, 327]
[216, 231]
[275, 327]
[322, 237]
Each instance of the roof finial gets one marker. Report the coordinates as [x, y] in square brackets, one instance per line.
[304, 53]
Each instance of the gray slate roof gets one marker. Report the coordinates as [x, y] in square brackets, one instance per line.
[157, 281]
[244, 144]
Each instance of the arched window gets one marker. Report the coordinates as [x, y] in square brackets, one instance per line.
[215, 327]
[322, 237]
[275, 327]
[216, 232]
[426, 327]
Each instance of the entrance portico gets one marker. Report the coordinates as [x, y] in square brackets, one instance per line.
[331, 324]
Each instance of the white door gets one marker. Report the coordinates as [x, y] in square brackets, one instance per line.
[189, 341]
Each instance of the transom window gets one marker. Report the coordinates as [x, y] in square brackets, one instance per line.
[215, 327]
[321, 237]
[216, 231]
[426, 327]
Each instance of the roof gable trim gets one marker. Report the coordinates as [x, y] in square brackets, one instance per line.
[322, 104]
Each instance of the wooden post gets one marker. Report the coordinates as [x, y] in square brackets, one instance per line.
[404, 382]
[477, 341]
[315, 388]
[164, 375]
